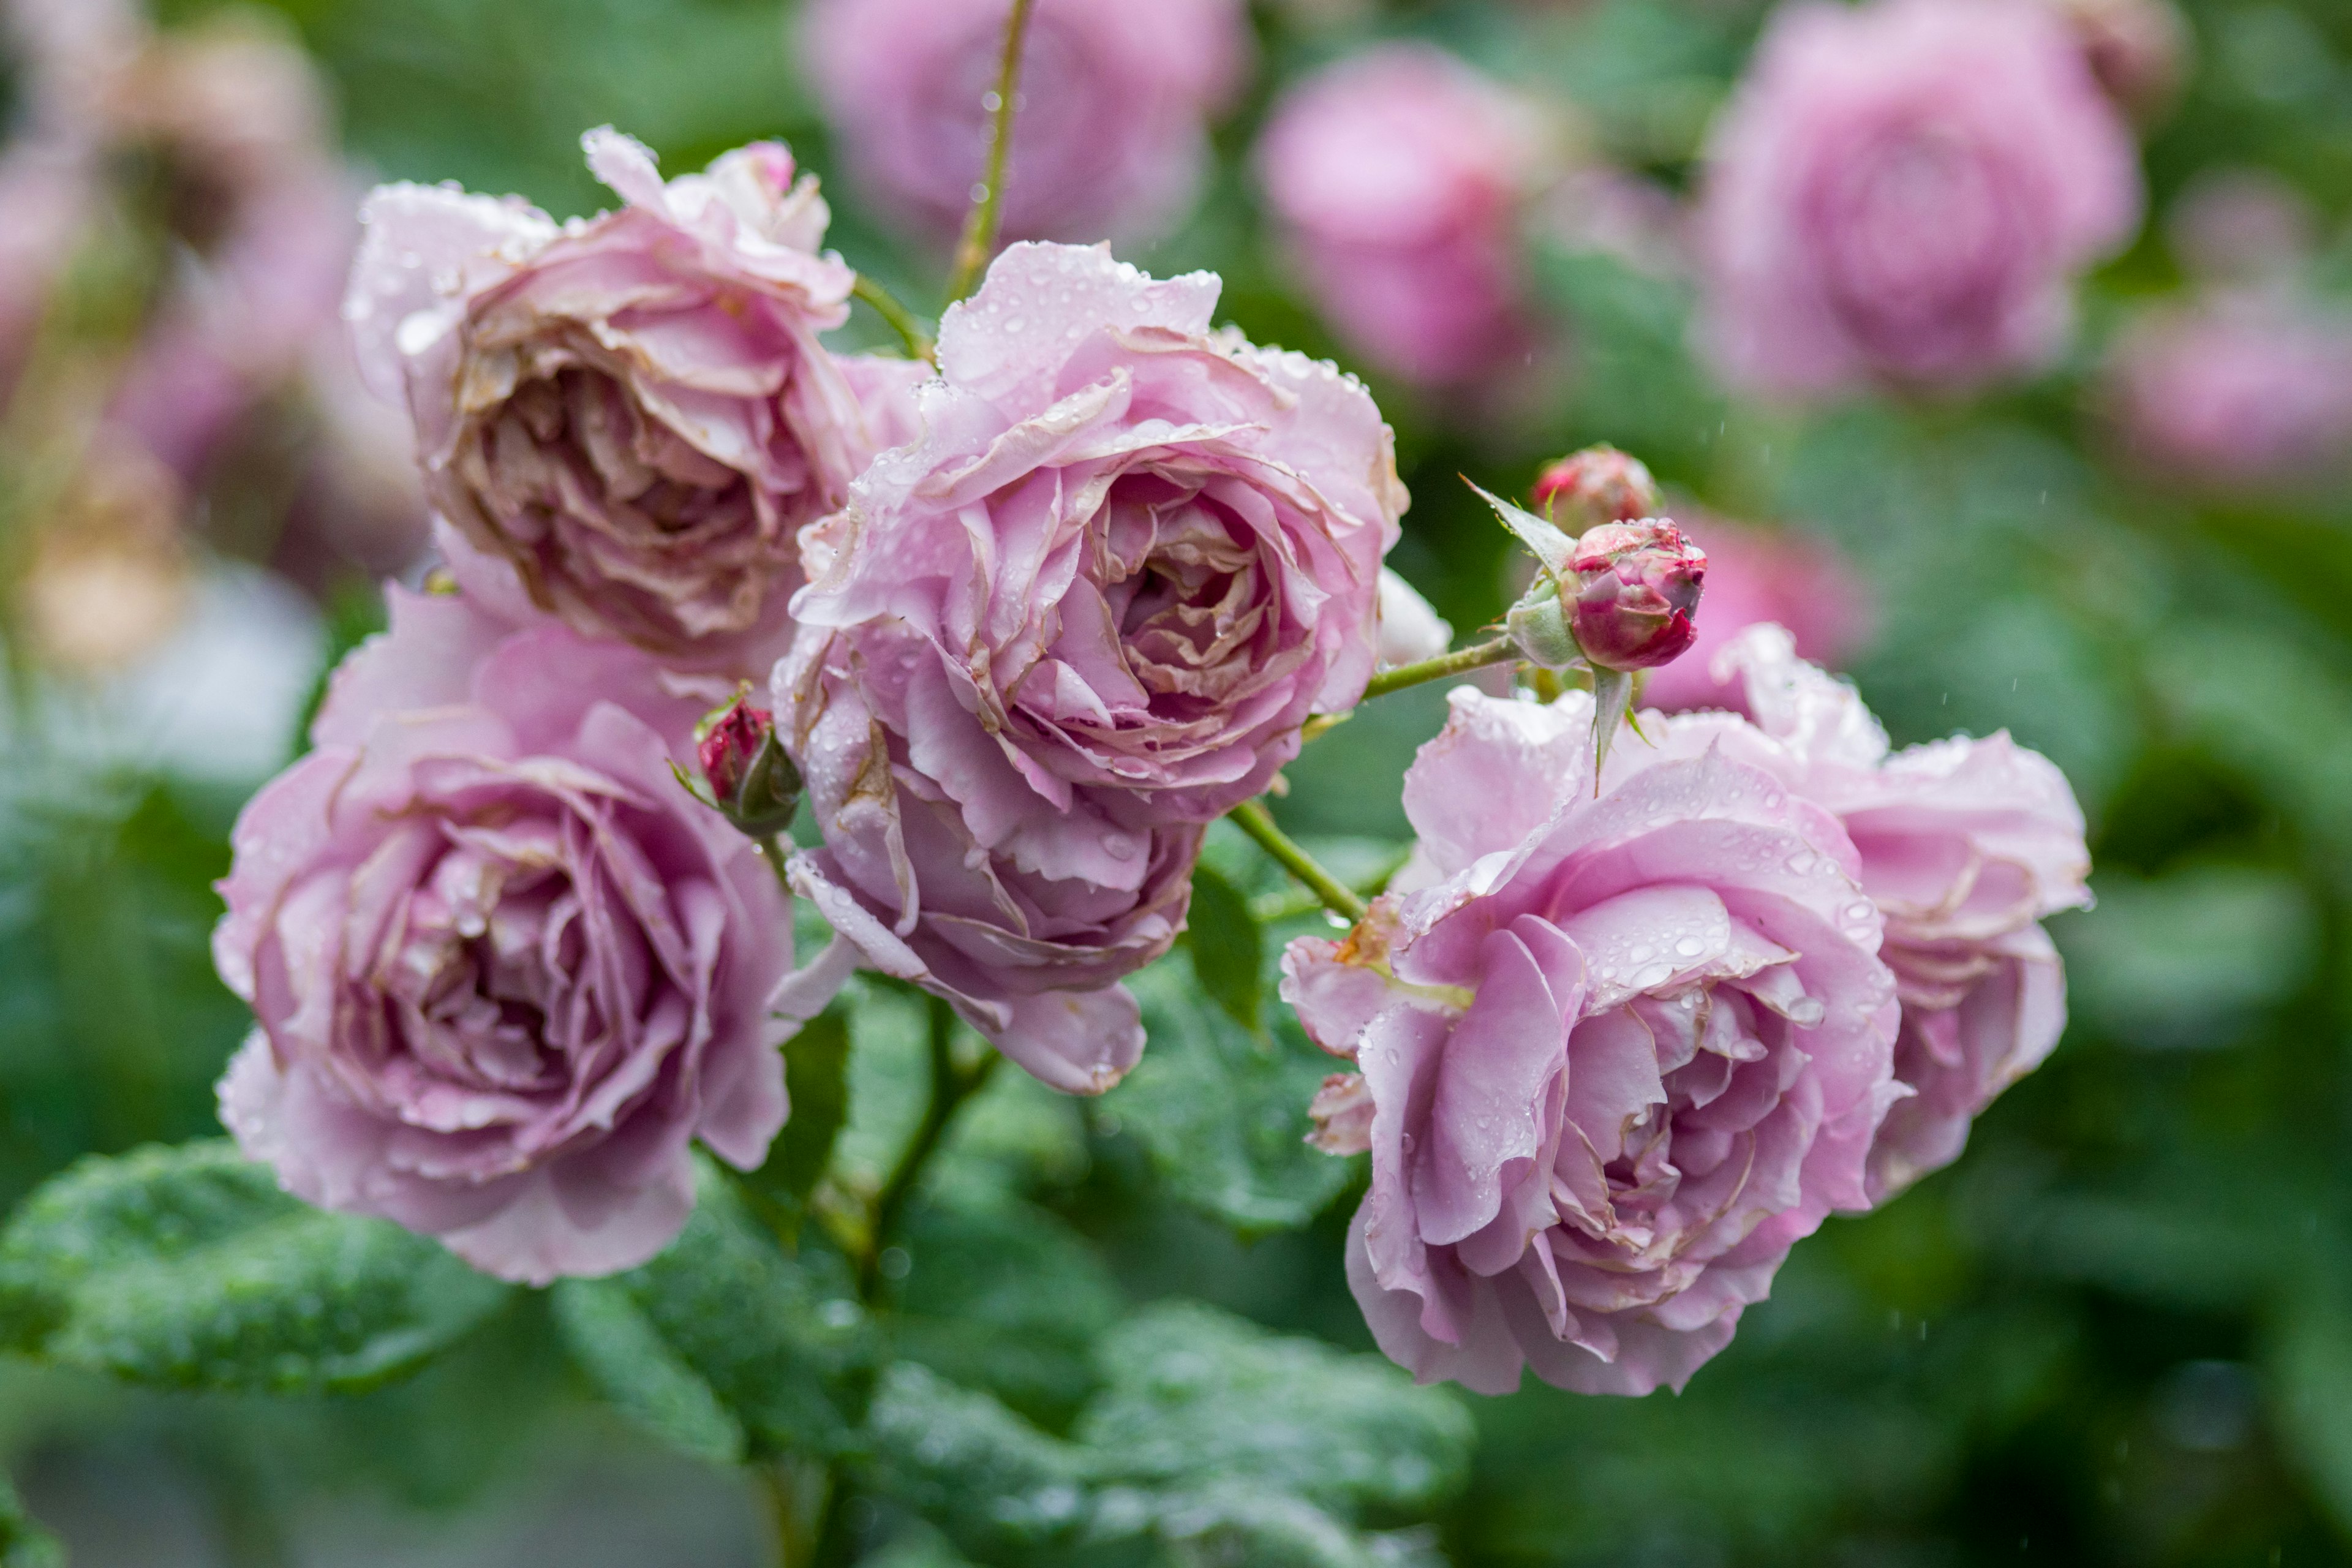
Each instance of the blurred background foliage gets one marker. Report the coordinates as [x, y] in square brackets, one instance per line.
[2119, 1331]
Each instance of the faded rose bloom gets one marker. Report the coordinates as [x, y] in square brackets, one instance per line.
[1110, 137]
[1964, 847]
[2246, 392]
[632, 410]
[1597, 485]
[1087, 611]
[505, 971]
[1904, 190]
[1753, 576]
[1622, 1052]
[1636, 588]
[1395, 177]
[1411, 629]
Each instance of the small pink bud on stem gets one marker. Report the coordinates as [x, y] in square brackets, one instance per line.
[1597, 485]
[751, 782]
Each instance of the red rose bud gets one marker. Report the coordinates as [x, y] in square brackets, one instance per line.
[1597, 485]
[1636, 587]
[751, 782]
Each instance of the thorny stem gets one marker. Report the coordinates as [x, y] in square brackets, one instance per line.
[950, 1087]
[1252, 819]
[1478, 656]
[979, 241]
[899, 319]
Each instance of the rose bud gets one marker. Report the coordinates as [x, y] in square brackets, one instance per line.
[1637, 585]
[1597, 485]
[752, 782]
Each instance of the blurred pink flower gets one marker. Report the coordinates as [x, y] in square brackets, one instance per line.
[1965, 845]
[1086, 612]
[2246, 392]
[2242, 226]
[1110, 138]
[633, 411]
[1904, 190]
[1395, 178]
[1753, 576]
[505, 971]
[1621, 1053]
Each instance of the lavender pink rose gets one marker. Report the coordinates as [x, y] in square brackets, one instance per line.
[505, 971]
[1618, 1053]
[1395, 177]
[1966, 846]
[1085, 613]
[1904, 190]
[631, 414]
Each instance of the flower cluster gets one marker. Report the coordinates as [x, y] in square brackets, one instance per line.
[1028, 627]
[1616, 1048]
[999, 629]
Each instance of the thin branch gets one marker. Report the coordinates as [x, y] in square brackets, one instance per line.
[950, 1087]
[1499, 650]
[899, 319]
[1251, 818]
[979, 241]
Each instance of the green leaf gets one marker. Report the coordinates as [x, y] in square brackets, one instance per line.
[1196, 1396]
[816, 1079]
[640, 1372]
[22, 1543]
[1227, 947]
[1001, 1490]
[2309, 1373]
[1271, 1530]
[188, 1267]
[725, 1345]
[1223, 1117]
[1004, 1297]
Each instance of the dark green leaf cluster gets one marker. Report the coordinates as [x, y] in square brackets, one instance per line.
[187, 1267]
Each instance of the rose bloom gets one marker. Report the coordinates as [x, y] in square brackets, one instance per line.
[1086, 612]
[1394, 178]
[2244, 392]
[1965, 845]
[1755, 575]
[1621, 1053]
[1904, 190]
[504, 969]
[1110, 139]
[633, 411]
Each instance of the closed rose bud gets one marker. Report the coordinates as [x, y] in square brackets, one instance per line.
[1597, 485]
[1637, 585]
[754, 784]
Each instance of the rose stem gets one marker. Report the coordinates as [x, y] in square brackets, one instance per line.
[950, 1087]
[1478, 656]
[901, 319]
[979, 241]
[1251, 818]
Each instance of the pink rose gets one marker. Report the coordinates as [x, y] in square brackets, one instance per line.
[631, 411]
[505, 970]
[1110, 139]
[1621, 1053]
[2244, 392]
[1964, 844]
[1027, 942]
[1395, 177]
[1088, 610]
[1753, 576]
[1904, 190]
